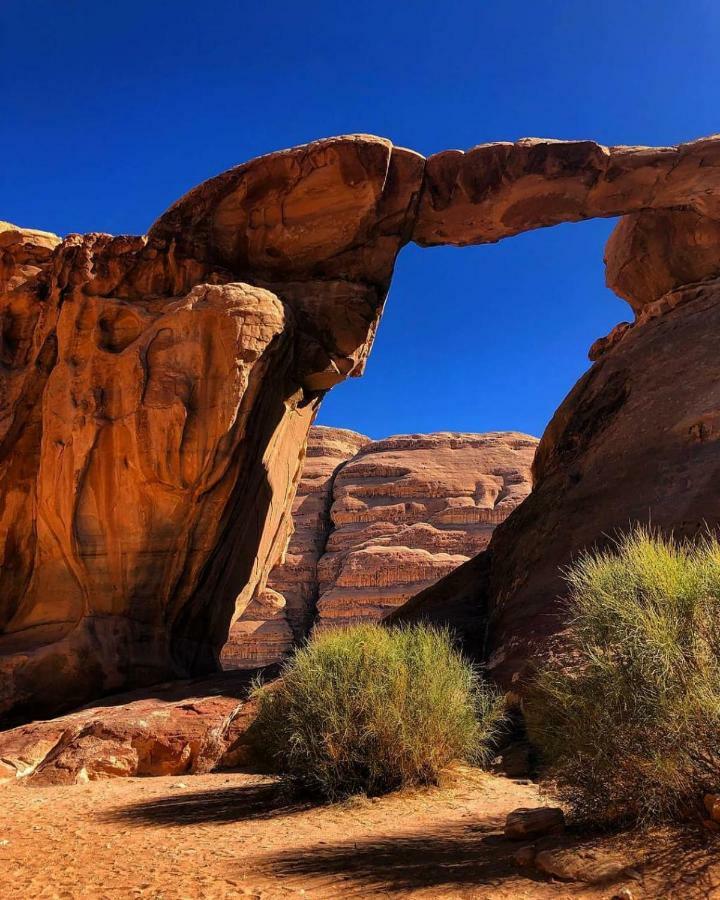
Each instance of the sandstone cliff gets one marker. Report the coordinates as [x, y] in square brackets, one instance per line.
[375, 522]
[410, 509]
[156, 392]
[282, 614]
[154, 407]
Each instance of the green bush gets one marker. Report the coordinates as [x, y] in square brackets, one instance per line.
[629, 722]
[371, 709]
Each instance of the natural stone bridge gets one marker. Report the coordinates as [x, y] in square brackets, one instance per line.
[157, 391]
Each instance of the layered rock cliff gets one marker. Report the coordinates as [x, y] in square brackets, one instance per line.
[282, 614]
[410, 509]
[156, 392]
[375, 522]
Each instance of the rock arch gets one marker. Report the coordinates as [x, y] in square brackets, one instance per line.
[157, 391]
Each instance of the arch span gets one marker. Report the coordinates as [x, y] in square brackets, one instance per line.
[157, 391]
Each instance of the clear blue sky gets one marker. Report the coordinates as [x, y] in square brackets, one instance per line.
[111, 111]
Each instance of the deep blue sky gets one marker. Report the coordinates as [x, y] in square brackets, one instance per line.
[111, 111]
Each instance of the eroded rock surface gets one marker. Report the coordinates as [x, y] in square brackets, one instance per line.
[636, 440]
[175, 729]
[156, 392]
[651, 253]
[376, 521]
[136, 430]
[282, 614]
[501, 189]
[154, 405]
[410, 509]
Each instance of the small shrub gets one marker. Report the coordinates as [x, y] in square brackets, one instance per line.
[370, 709]
[630, 727]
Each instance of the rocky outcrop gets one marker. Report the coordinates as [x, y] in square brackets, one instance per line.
[176, 729]
[135, 434]
[652, 253]
[155, 400]
[156, 391]
[376, 521]
[281, 615]
[636, 440]
[410, 509]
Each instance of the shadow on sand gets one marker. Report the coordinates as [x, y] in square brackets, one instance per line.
[682, 866]
[236, 804]
[455, 859]
[668, 864]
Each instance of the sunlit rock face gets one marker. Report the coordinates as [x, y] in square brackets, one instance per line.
[281, 615]
[155, 398]
[156, 392]
[635, 440]
[375, 522]
[135, 428]
[410, 509]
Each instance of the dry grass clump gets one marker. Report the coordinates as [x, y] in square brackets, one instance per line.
[631, 730]
[371, 709]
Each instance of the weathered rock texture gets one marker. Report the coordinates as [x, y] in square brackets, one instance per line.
[375, 522]
[156, 391]
[636, 440]
[410, 509]
[176, 729]
[155, 404]
[501, 189]
[281, 615]
[651, 253]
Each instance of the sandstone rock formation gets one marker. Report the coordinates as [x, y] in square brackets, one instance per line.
[156, 391]
[410, 509]
[154, 408]
[135, 433]
[375, 522]
[176, 729]
[651, 253]
[636, 440]
[501, 189]
[282, 614]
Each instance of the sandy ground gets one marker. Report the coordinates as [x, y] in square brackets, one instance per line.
[235, 835]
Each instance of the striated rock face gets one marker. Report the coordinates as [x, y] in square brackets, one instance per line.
[410, 509]
[156, 392]
[135, 434]
[155, 399]
[375, 522]
[282, 613]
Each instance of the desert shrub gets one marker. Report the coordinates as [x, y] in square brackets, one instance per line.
[629, 723]
[371, 709]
